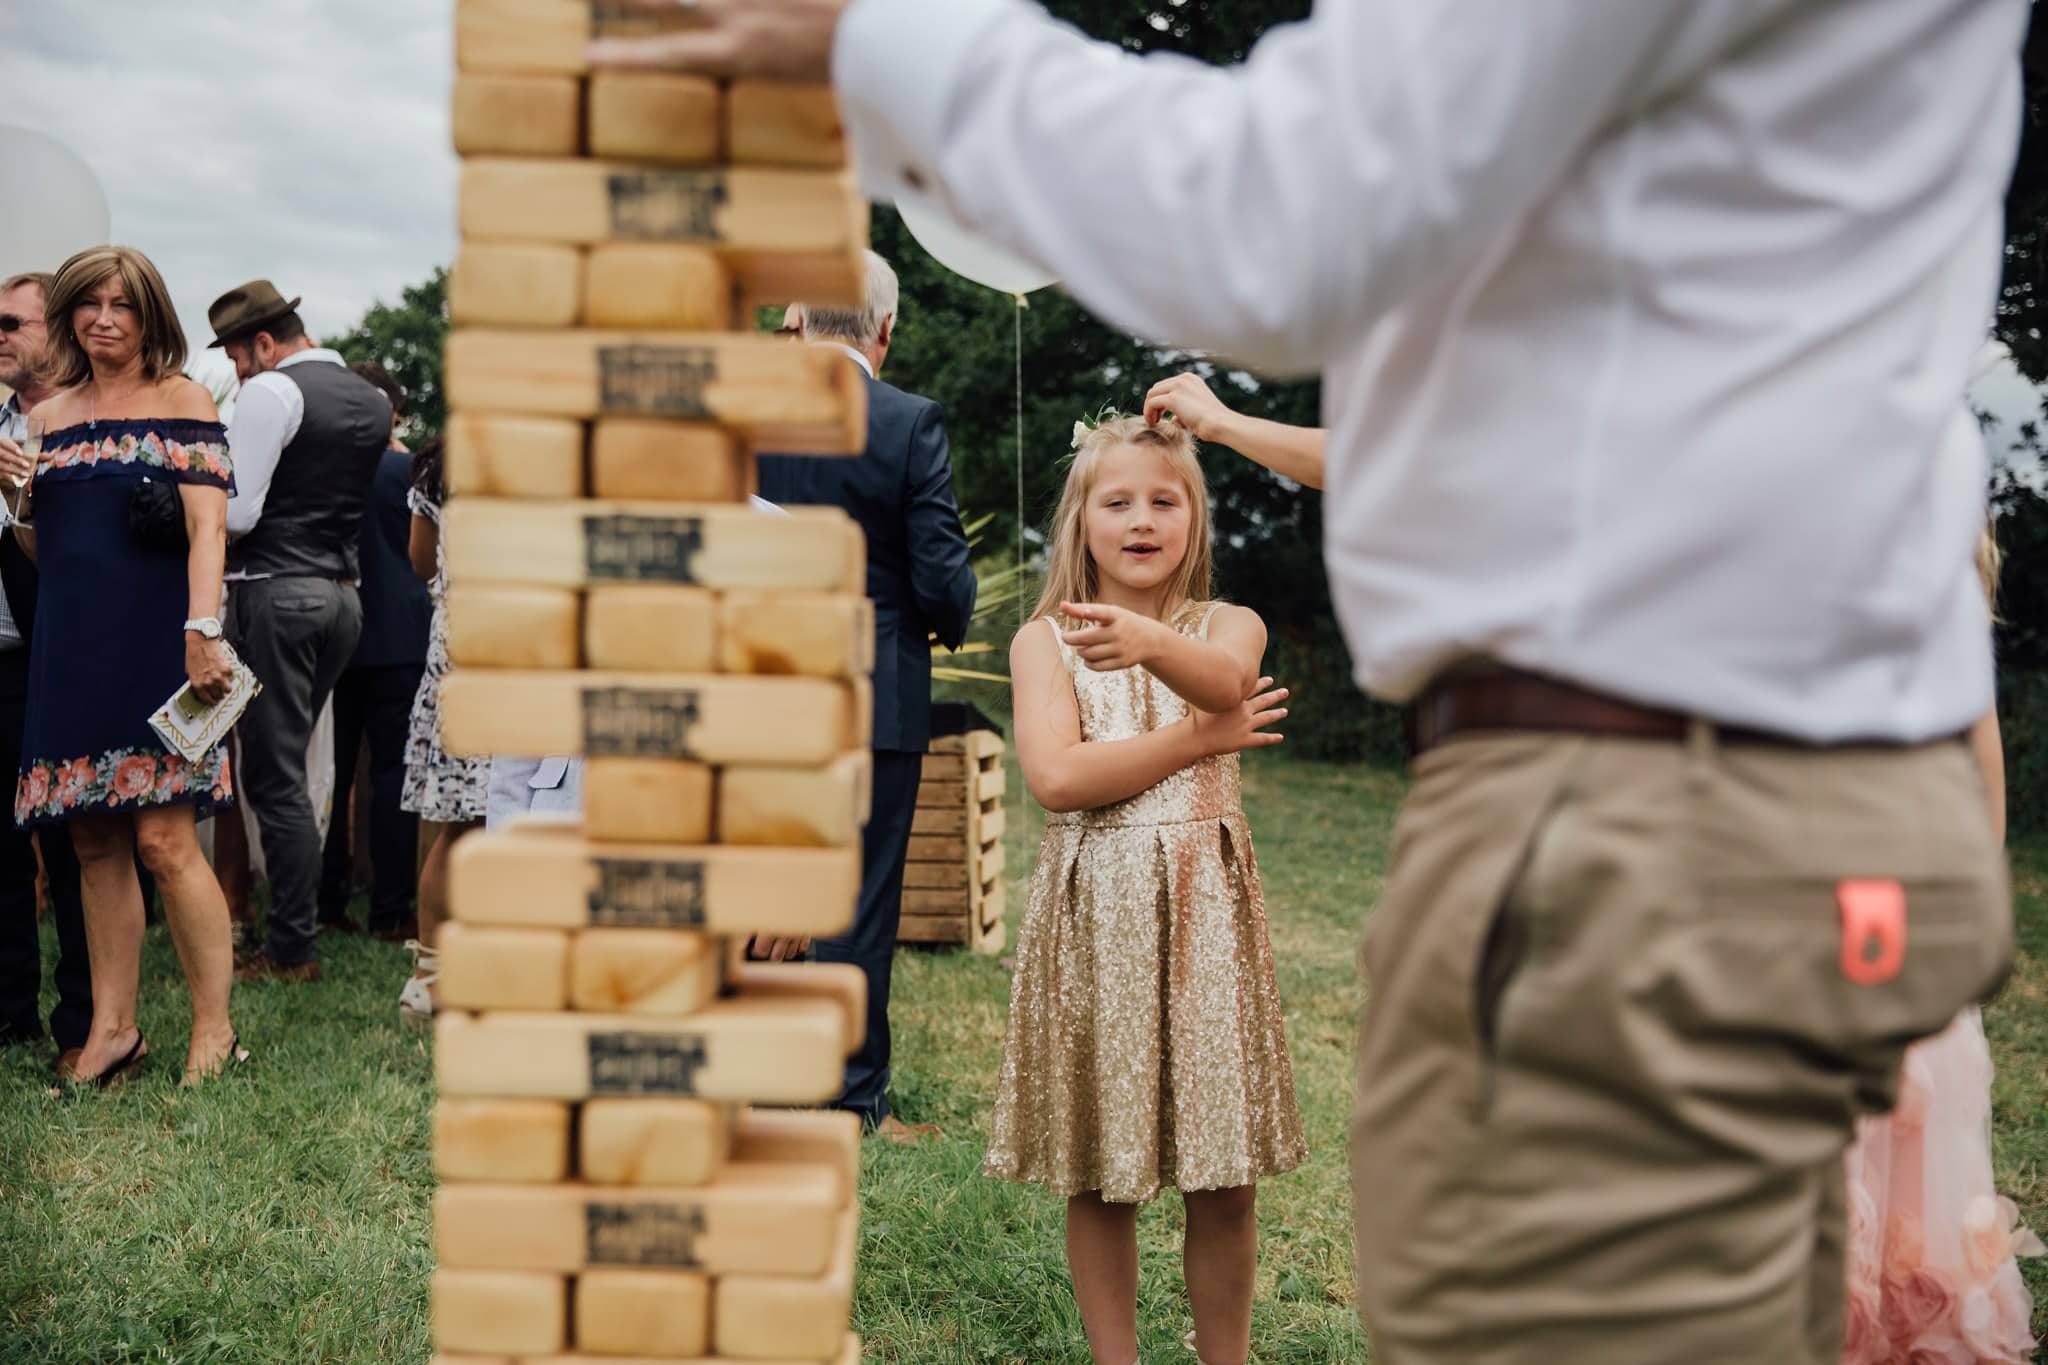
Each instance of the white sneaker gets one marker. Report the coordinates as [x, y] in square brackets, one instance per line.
[416, 997]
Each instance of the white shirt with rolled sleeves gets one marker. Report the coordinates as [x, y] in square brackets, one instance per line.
[1644, 326]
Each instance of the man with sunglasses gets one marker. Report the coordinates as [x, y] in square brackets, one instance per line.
[24, 350]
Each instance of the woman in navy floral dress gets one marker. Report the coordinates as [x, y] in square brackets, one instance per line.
[109, 648]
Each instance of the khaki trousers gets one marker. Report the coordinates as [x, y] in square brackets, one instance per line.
[1611, 1058]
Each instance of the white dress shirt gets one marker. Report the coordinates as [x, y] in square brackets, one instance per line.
[268, 410]
[1644, 326]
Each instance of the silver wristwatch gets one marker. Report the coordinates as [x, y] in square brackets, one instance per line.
[207, 626]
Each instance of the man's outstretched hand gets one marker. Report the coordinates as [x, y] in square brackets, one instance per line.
[789, 40]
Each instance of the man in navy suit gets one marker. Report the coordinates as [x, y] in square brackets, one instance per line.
[900, 490]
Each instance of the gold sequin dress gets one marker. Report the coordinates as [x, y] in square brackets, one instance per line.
[1146, 1045]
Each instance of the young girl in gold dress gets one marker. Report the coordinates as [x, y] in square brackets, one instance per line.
[1145, 1047]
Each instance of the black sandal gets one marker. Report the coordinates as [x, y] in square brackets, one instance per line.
[236, 1056]
[121, 1071]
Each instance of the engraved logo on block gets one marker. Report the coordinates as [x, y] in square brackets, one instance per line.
[642, 1234]
[639, 893]
[632, 1063]
[639, 722]
[656, 381]
[629, 547]
[666, 206]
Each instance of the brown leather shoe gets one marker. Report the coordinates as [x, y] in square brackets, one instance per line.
[905, 1134]
[262, 967]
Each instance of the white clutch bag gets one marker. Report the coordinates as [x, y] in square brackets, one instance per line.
[192, 726]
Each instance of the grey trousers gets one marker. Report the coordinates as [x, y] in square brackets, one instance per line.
[298, 635]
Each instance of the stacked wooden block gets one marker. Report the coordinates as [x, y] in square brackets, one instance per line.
[608, 1187]
[953, 882]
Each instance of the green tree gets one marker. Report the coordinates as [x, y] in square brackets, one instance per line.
[406, 339]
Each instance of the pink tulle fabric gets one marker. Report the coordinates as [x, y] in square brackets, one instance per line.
[1932, 1279]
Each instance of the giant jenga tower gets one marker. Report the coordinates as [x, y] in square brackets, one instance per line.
[607, 1190]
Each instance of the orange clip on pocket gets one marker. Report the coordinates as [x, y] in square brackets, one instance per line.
[1873, 929]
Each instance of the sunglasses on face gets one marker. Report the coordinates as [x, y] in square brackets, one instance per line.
[10, 323]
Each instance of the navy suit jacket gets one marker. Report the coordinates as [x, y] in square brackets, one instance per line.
[397, 611]
[900, 490]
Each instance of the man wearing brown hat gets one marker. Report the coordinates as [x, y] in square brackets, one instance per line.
[306, 437]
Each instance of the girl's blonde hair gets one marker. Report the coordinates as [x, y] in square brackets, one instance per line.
[1070, 574]
[163, 340]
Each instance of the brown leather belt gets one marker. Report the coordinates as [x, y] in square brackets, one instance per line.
[1507, 699]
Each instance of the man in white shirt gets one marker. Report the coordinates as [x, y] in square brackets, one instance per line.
[306, 439]
[1644, 330]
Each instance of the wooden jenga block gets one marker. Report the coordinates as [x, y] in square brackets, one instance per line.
[654, 1313]
[709, 545]
[514, 457]
[500, 1310]
[650, 284]
[713, 718]
[517, 115]
[635, 458]
[922, 901]
[646, 800]
[802, 399]
[766, 1317]
[651, 627]
[769, 1220]
[655, 1141]
[501, 1140]
[654, 116]
[643, 971]
[989, 825]
[941, 768]
[811, 807]
[493, 625]
[584, 202]
[562, 881]
[988, 786]
[824, 635]
[781, 123]
[846, 986]
[487, 967]
[547, 35]
[778, 1051]
[991, 864]
[830, 1137]
[516, 284]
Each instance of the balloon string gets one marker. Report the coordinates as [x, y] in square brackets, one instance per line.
[1018, 324]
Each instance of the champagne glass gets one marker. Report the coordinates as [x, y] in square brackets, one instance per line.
[32, 446]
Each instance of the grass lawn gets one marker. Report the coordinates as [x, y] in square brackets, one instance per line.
[282, 1215]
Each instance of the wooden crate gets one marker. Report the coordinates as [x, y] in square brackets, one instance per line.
[953, 878]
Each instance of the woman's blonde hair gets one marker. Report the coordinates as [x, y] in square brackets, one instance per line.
[163, 340]
[1070, 574]
[1990, 561]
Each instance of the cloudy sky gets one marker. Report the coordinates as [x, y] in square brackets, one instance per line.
[301, 140]
[305, 141]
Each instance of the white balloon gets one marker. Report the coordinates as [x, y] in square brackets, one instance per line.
[54, 207]
[967, 253]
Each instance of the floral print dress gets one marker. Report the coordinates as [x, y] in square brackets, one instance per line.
[438, 786]
[108, 646]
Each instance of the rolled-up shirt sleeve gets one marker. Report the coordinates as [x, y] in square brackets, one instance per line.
[263, 425]
[1268, 211]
